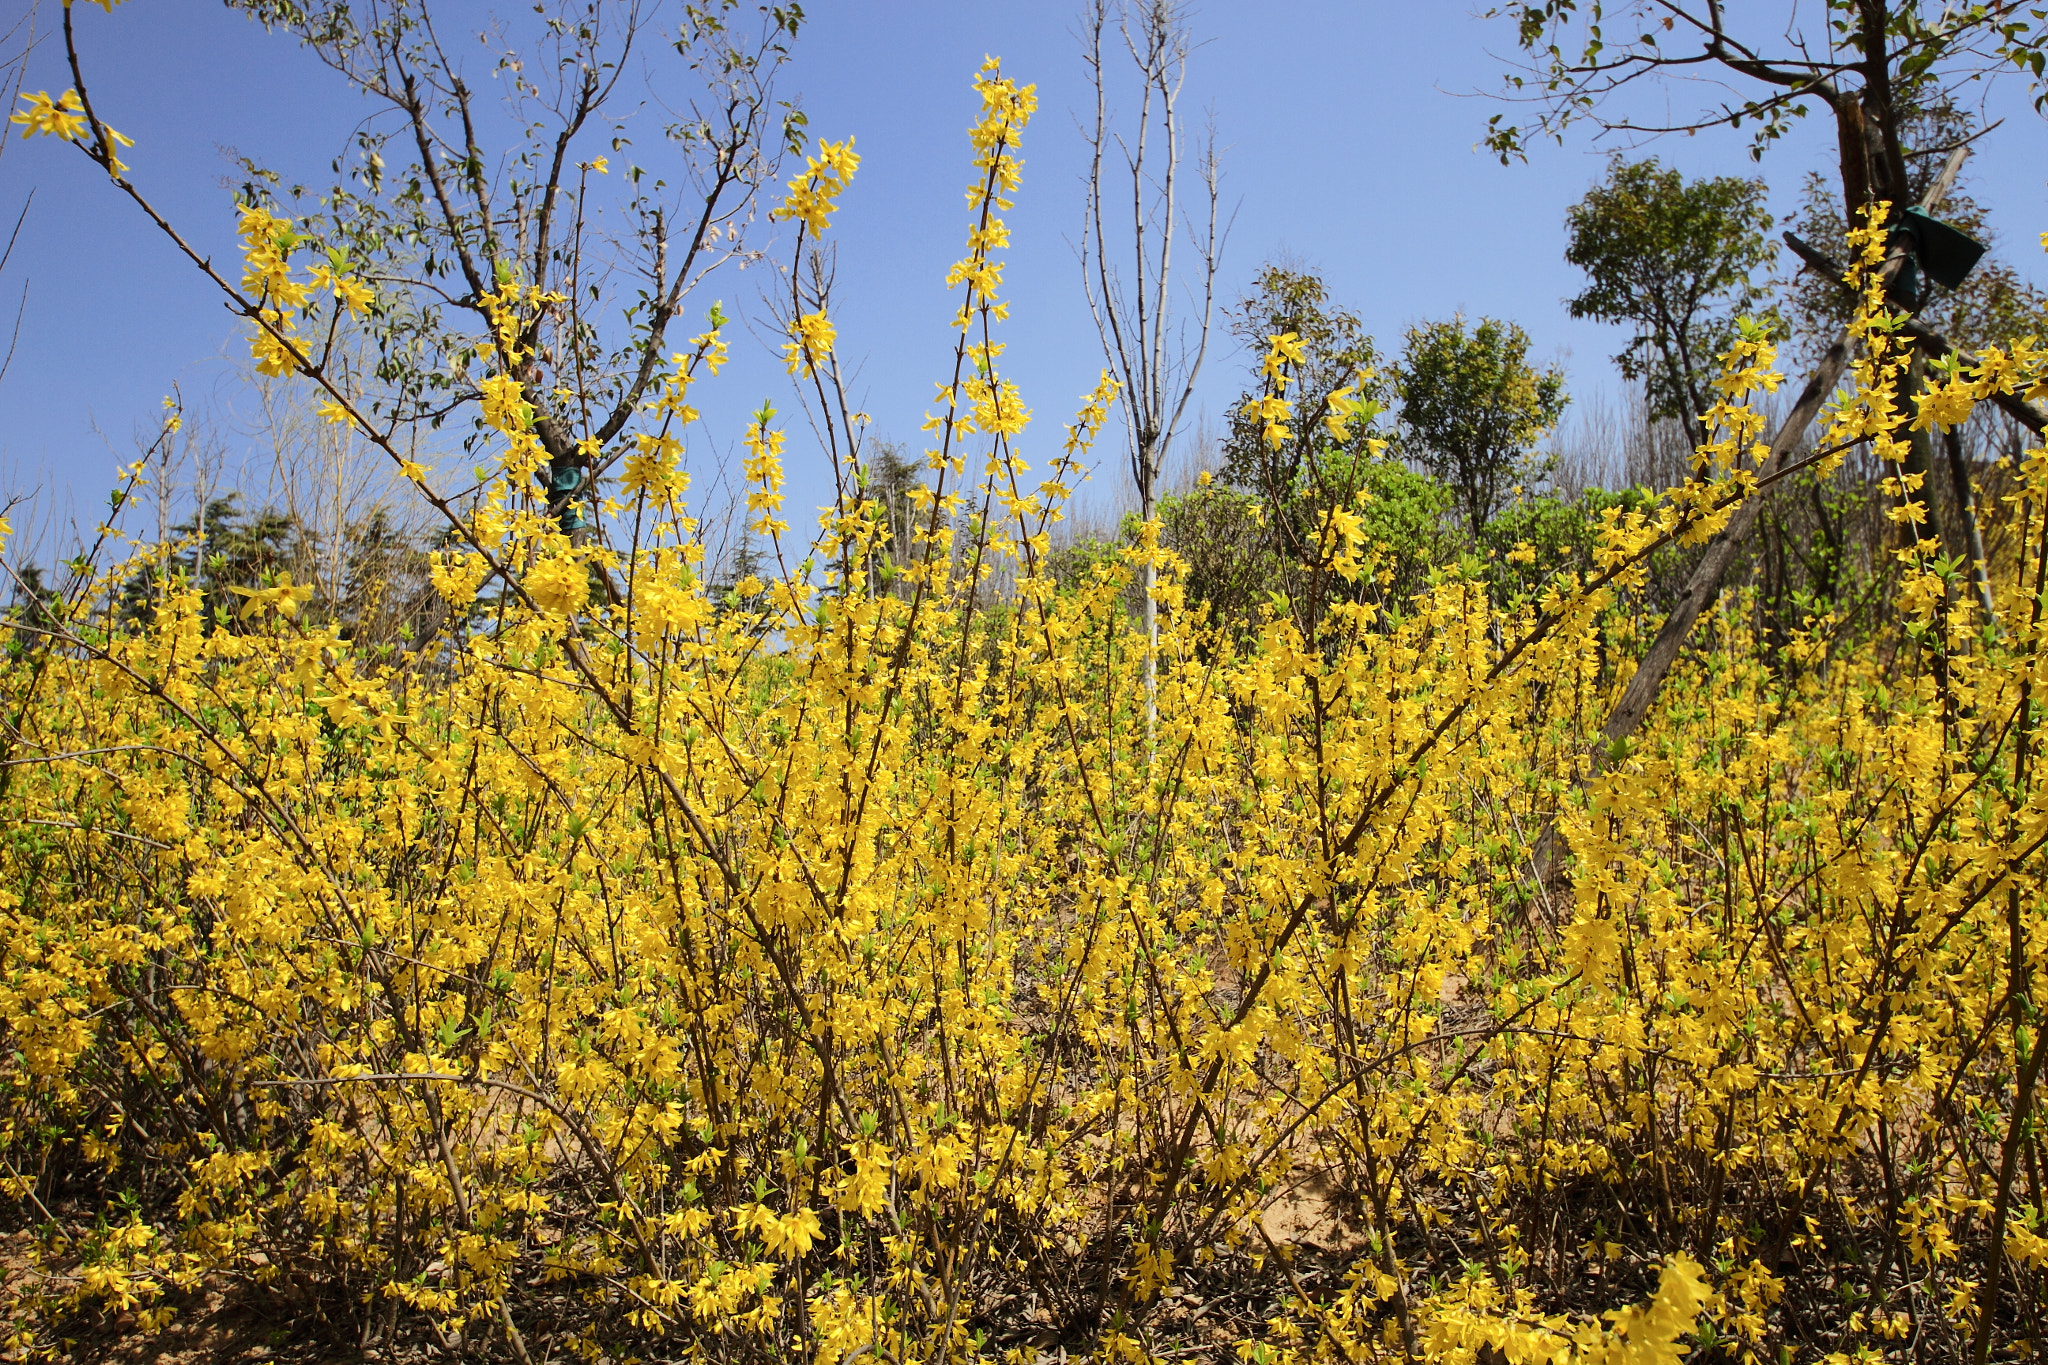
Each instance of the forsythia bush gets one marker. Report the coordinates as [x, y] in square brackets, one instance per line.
[872, 974]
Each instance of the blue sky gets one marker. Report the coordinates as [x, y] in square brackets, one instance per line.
[1347, 130]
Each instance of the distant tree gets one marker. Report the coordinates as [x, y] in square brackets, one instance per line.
[1676, 259]
[1226, 541]
[741, 587]
[1313, 468]
[33, 611]
[1473, 408]
[461, 192]
[236, 549]
[1651, 68]
[1406, 530]
[1336, 351]
[388, 595]
[1127, 263]
[224, 548]
[1073, 561]
[890, 477]
[1757, 68]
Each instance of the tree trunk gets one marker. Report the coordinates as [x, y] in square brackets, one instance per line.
[1705, 582]
[1145, 505]
[1703, 585]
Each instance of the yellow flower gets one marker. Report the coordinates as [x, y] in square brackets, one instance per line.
[272, 346]
[814, 335]
[505, 405]
[353, 294]
[813, 196]
[116, 166]
[560, 586]
[284, 597]
[62, 117]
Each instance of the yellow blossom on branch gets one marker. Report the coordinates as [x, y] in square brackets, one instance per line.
[62, 117]
[814, 334]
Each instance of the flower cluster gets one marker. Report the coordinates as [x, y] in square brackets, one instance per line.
[278, 301]
[1006, 109]
[814, 196]
[1271, 408]
[841, 971]
[64, 117]
[763, 466]
[814, 334]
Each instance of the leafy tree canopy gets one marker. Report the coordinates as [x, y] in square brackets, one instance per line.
[1676, 259]
[1336, 351]
[1473, 408]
